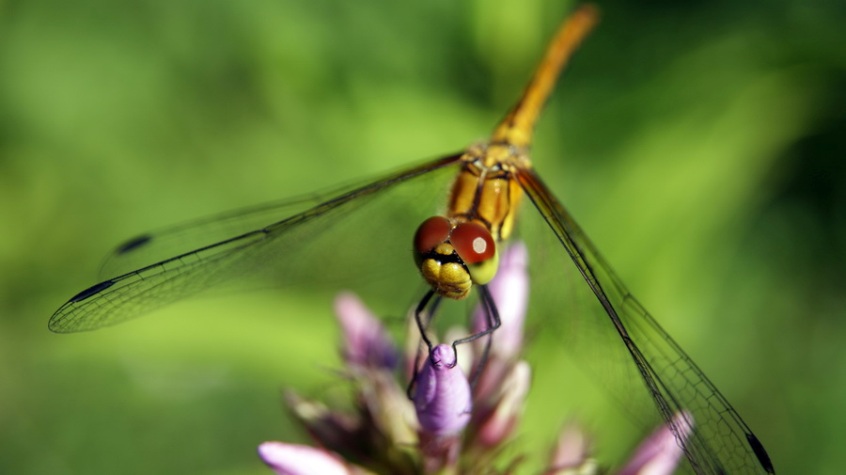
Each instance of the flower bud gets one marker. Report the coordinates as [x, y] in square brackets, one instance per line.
[442, 394]
[510, 292]
[366, 343]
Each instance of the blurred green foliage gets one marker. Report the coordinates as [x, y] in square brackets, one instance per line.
[701, 144]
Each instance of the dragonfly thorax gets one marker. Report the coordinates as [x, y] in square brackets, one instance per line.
[485, 189]
[453, 255]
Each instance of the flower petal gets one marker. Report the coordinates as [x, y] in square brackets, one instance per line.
[571, 454]
[510, 291]
[366, 342]
[501, 422]
[332, 429]
[292, 459]
[387, 409]
[660, 453]
[442, 394]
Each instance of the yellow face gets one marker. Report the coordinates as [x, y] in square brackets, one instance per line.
[454, 256]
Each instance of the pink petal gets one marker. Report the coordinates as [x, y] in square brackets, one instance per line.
[660, 453]
[571, 453]
[510, 291]
[500, 424]
[292, 459]
[366, 342]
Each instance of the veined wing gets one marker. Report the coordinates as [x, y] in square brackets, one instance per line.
[156, 246]
[290, 250]
[721, 441]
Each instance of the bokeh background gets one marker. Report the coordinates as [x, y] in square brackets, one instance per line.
[700, 144]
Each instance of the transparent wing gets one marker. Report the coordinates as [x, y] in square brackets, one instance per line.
[614, 331]
[311, 246]
[150, 248]
[348, 241]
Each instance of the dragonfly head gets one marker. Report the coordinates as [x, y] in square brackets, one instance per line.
[452, 256]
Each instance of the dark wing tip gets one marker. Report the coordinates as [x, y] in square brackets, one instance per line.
[58, 322]
[134, 243]
[91, 291]
[760, 452]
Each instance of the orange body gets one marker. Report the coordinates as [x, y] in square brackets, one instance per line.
[486, 190]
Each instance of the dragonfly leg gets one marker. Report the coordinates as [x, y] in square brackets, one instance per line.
[493, 322]
[423, 319]
[420, 315]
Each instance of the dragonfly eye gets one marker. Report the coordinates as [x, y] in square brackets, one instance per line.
[476, 247]
[430, 234]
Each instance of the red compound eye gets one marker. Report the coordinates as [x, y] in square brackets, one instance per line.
[432, 232]
[473, 243]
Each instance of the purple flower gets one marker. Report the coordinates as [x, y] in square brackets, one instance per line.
[494, 391]
[366, 343]
[291, 459]
[449, 425]
[510, 291]
[571, 454]
[442, 394]
[660, 453]
[500, 422]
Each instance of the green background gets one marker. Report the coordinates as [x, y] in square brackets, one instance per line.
[700, 145]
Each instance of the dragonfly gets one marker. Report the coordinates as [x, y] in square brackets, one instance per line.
[469, 203]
